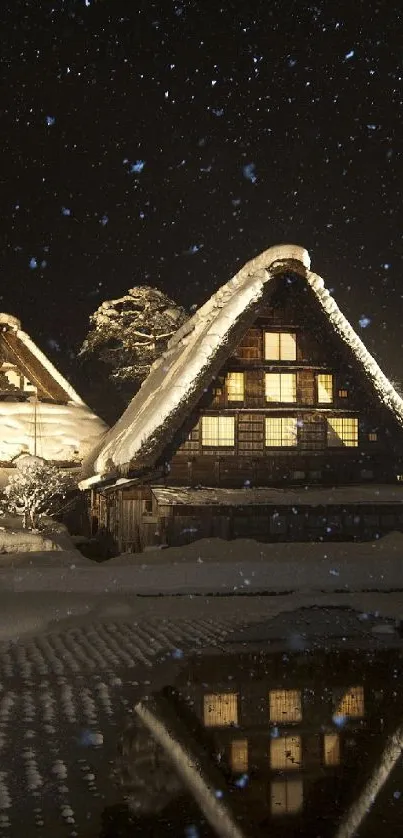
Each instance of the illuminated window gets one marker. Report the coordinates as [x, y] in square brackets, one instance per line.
[218, 430]
[221, 710]
[281, 387]
[285, 753]
[373, 436]
[281, 431]
[325, 388]
[331, 749]
[235, 386]
[285, 706]
[280, 346]
[239, 755]
[343, 394]
[342, 430]
[286, 796]
[351, 704]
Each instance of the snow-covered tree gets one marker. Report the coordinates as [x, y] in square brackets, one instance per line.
[128, 334]
[36, 487]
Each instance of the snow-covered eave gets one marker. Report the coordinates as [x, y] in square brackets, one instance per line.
[41, 357]
[383, 387]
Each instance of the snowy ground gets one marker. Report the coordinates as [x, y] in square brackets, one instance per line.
[214, 566]
[67, 685]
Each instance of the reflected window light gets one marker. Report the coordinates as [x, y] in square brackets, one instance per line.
[351, 705]
[285, 706]
[239, 755]
[331, 749]
[285, 753]
[220, 710]
[286, 796]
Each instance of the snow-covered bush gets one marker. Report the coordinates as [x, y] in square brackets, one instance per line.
[37, 487]
[128, 334]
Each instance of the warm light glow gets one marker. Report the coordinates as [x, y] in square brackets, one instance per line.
[325, 388]
[218, 430]
[286, 796]
[285, 753]
[281, 387]
[331, 749]
[280, 346]
[285, 706]
[342, 431]
[221, 710]
[351, 704]
[343, 394]
[239, 755]
[281, 431]
[235, 386]
[373, 436]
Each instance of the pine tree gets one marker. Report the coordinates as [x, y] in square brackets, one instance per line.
[127, 335]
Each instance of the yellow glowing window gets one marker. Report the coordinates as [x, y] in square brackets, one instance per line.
[221, 710]
[281, 387]
[281, 431]
[285, 753]
[280, 346]
[331, 749]
[325, 388]
[235, 386]
[239, 755]
[351, 704]
[342, 431]
[373, 436]
[218, 430]
[286, 796]
[285, 706]
[343, 394]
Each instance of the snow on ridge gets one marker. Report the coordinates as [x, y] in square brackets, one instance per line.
[383, 386]
[177, 374]
[41, 357]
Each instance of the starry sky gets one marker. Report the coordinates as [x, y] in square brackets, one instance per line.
[168, 143]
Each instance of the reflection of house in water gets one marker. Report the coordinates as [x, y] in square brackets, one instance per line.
[290, 725]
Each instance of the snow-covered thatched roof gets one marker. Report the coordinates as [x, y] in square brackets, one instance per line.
[58, 425]
[198, 350]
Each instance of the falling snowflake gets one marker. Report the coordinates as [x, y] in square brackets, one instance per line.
[249, 172]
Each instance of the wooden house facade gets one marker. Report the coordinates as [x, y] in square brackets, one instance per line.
[266, 417]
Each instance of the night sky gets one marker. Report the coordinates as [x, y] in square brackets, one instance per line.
[168, 143]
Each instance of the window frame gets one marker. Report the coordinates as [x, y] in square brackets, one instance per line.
[281, 420]
[235, 396]
[280, 350]
[319, 387]
[216, 443]
[346, 440]
[280, 376]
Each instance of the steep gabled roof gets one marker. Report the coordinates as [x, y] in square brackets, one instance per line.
[198, 350]
[62, 425]
[32, 360]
